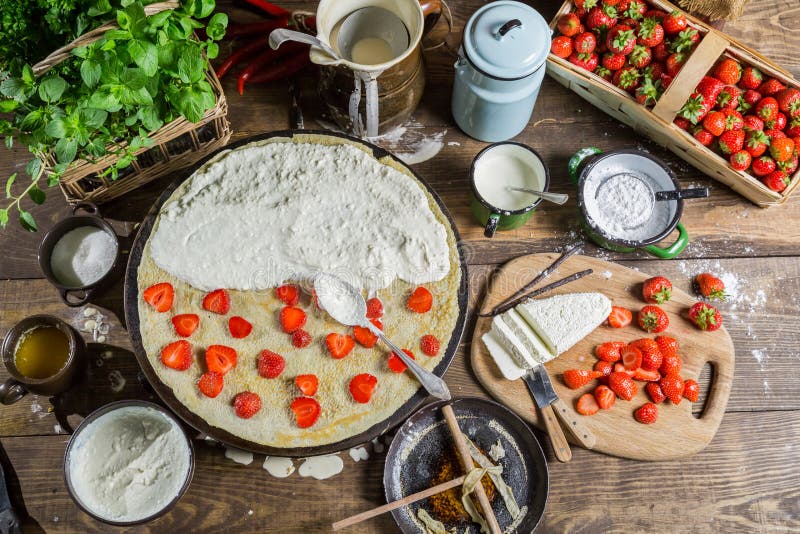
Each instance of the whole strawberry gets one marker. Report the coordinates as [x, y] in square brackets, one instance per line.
[621, 39]
[604, 73]
[763, 166]
[781, 149]
[771, 87]
[710, 286]
[584, 61]
[767, 109]
[653, 319]
[776, 180]
[705, 317]
[657, 289]
[627, 78]
[568, 24]
[650, 33]
[601, 18]
[584, 43]
[789, 101]
[756, 143]
[647, 414]
[561, 46]
[728, 71]
[740, 161]
[674, 23]
[731, 141]
[703, 136]
[729, 97]
[715, 122]
[751, 78]
[640, 57]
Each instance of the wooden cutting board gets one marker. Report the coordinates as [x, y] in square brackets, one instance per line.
[677, 433]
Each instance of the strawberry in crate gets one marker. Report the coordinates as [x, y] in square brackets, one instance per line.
[627, 43]
[750, 119]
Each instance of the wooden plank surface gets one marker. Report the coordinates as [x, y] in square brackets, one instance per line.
[744, 481]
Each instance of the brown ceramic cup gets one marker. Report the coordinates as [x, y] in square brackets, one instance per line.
[19, 385]
[78, 295]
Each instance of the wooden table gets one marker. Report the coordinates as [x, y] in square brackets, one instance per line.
[748, 479]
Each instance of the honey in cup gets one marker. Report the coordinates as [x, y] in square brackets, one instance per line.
[41, 352]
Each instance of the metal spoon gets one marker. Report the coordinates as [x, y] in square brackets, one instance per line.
[696, 192]
[279, 36]
[557, 198]
[346, 305]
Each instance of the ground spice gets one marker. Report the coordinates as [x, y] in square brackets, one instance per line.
[446, 506]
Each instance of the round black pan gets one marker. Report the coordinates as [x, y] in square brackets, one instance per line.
[413, 458]
[166, 393]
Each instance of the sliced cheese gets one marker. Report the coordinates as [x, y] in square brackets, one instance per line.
[513, 344]
[563, 320]
[505, 362]
[529, 339]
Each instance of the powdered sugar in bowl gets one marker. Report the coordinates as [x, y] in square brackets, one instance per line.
[616, 196]
[80, 255]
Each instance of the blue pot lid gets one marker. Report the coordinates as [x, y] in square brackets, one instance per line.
[507, 39]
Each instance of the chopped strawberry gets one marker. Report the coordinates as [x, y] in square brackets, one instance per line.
[301, 338]
[270, 364]
[374, 308]
[362, 386]
[576, 378]
[587, 404]
[210, 384]
[218, 301]
[672, 386]
[647, 413]
[619, 368]
[339, 345]
[651, 354]
[292, 319]
[667, 345]
[246, 404]
[430, 345]
[185, 324]
[604, 368]
[306, 411]
[619, 317]
[364, 335]
[623, 385]
[307, 384]
[177, 355]
[671, 365]
[654, 392]
[239, 327]
[691, 390]
[420, 301]
[610, 351]
[605, 397]
[159, 296]
[289, 294]
[220, 358]
[631, 358]
[646, 375]
[396, 365]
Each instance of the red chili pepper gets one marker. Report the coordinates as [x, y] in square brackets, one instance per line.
[269, 8]
[239, 54]
[265, 27]
[281, 70]
[270, 55]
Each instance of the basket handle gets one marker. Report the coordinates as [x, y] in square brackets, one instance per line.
[96, 34]
[702, 59]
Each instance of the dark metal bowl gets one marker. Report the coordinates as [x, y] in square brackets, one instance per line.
[77, 295]
[109, 408]
[166, 393]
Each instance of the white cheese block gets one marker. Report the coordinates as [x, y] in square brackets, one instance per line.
[529, 339]
[563, 320]
[505, 362]
[513, 345]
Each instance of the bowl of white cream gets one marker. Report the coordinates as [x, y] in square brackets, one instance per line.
[80, 255]
[616, 196]
[128, 463]
[495, 171]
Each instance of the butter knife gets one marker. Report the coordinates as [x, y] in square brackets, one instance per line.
[538, 382]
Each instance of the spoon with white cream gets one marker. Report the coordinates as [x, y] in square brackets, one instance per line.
[345, 304]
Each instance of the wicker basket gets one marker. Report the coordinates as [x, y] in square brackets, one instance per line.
[656, 123]
[175, 145]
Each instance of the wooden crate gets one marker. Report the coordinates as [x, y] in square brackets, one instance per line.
[175, 145]
[657, 123]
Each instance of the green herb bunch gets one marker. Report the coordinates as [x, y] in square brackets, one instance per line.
[109, 95]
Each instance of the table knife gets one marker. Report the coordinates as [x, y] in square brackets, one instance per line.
[538, 382]
[9, 521]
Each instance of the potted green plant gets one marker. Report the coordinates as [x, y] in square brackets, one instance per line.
[92, 87]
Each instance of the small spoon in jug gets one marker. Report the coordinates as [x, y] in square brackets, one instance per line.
[557, 198]
[281, 35]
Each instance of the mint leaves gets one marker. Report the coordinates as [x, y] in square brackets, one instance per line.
[111, 94]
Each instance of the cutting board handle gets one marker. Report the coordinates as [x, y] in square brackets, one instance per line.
[719, 390]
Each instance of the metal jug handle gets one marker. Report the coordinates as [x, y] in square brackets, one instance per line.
[507, 27]
[431, 12]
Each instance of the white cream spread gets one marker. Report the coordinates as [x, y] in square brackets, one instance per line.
[238, 455]
[267, 213]
[321, 467]
[278, 466]
[129, 463]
